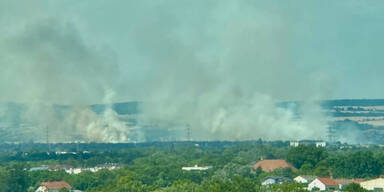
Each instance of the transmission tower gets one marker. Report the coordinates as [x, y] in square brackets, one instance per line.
[332, 137]
[188, 131]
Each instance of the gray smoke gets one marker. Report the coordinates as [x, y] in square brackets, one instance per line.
[218, 66]
[225, 81]
[46, 62]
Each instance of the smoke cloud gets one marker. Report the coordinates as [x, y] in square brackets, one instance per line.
[48, 66]
[218, 67]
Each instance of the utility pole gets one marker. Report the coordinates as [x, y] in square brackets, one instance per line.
[47, 139]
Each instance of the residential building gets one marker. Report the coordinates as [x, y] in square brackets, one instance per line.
[304, 178]
[308, 142]
[269, 165]
[323, 184]
[59, 167]
[275, 180]
[196, 168]
[373, 184]
[321, 144]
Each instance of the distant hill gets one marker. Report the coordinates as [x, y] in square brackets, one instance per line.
[124, 108]
[351, 120]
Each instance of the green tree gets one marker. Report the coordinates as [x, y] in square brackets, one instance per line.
[322, 171]
[306, 168]
[17, 178]
[63, 190]
[354, 187]
[303, 154]
[289, 187]
[361, 164]
[182, 185]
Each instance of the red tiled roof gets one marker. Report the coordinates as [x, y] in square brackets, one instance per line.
[358, 180]
[327, 181]
[56, 185]
[343, 181]
[272, 164]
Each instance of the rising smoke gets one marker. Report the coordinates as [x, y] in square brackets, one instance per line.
[220, 68]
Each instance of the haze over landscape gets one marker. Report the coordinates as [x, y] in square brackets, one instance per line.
[134, 71]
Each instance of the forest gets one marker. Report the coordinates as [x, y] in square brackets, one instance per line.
[158, 166]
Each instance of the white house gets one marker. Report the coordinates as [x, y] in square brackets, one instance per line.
[73, 170]
[308, 142]
[323, 184]
[275, 180]
[321, 144]
[196, 168]
[294, 143]
[374, 184]
[304, 178]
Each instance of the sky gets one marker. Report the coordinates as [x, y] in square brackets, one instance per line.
[322, 49]
[218, 66]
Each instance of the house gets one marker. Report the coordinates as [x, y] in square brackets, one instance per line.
[323, 184]
[321, 144]
[275, 180]
[373, 184]
[41, 168]
[294, 143]
[269, 165]
[59, 167]
[304, 178]
[54, 186]
[74, 170]
[196, 168]
[308, 142]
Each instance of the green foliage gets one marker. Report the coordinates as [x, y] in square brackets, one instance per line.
[229, 185]
[289, 187]
[16, 178]
[304, 154]
[182, 185]
[354, 187]
[158, 169]
[231, 170]
[306, 169]
[359, 164]
[322, 171]
[63, 190]
[128, 184]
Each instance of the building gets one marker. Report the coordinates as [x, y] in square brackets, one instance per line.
[54, 186]
[373, 184]
[273, 180]
[196, 168]
[59, 167]
[74, 170]
[269, 165]
[321, 144]
[41, 168]
[304, 178]
[323, 184]
[308, 142]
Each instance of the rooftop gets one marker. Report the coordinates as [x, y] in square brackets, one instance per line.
[328, 181]
[56, 185]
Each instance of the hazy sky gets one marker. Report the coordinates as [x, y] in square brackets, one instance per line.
[69, 51]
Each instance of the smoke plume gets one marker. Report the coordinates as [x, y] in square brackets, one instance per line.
[218, 67]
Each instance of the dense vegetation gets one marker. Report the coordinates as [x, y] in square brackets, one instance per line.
[157, 167]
